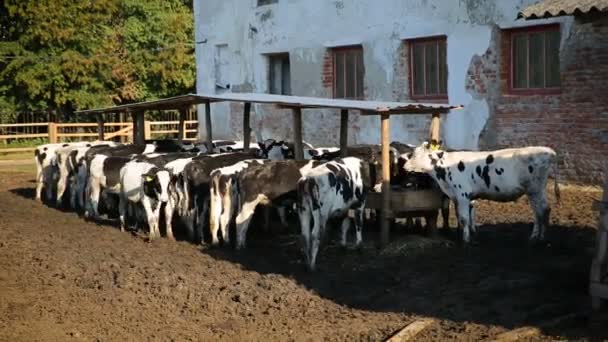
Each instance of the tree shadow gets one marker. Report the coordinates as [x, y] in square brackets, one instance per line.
[503, 280]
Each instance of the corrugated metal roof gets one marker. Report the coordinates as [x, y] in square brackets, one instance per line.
[556, 8]
[366, 107]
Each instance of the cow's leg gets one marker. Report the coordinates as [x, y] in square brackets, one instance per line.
[409, 222]
[202, 219]
[94, 193]
[145, 201]
[267, 218]
[472, 216]
[316, 235]
[358, 226]
[242, 222]
[464, 219]
[39, 185]
[304, 214]
[445, 212]
[123, 207]
[61, 186]
[540, 206]
[215, 213]
[169, 209]
[344, 230]
[226, 216]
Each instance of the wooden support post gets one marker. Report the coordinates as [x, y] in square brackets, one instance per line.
[52, 133]
[100, 128]
[386, 178]
[434, 128]
[181, 129]
[208, 126]
[297, 133]
[138, 128]
[246, 126]
[343, 132]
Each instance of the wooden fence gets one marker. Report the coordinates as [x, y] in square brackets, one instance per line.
[123, 131]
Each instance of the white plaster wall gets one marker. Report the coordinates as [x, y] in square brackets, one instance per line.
[305, 28]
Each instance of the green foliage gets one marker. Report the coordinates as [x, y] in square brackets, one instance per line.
[65, 55]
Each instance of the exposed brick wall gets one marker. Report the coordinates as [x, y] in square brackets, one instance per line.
[573, 122]
[327, 72]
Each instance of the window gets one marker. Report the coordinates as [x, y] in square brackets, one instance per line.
[429, 68]
[348, 72]
[279, 75]
[267, 2]
[535, 58]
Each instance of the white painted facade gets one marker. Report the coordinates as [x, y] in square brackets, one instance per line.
[233, 36]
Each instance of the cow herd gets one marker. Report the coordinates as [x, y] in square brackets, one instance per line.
[209, 190]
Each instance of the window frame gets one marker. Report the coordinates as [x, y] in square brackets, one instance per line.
[410, 46]
[511, 51]
[266, 2]
[275, 56]
[344, 49]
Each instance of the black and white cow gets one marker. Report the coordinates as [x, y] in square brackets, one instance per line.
[224, 197]
[281, 150]
[46, 169]
[67, 161]
[331, 190]
[195, 181]
[502, 175]
[273, 182]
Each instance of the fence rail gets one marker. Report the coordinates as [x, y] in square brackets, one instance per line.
[54, 132]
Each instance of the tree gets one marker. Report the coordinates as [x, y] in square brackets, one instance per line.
[64, 55]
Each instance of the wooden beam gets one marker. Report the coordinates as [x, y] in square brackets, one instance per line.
[100, 128]
[246, 126]
[181, 134]
[297, 133]
[208, 128]
[434, 128]
[386, 179]
[138, 127]
[343, 132]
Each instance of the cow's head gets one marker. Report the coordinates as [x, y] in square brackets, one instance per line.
[156, 183]
[275, 150]
[424, 158]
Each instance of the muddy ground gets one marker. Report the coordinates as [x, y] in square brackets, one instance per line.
[64, 279]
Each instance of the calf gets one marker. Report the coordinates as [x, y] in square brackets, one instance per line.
[223, 197]
[327, 191]
[272, 182]
[502, 175]
[144, 182]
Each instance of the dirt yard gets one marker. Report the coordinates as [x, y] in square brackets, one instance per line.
[64, 279]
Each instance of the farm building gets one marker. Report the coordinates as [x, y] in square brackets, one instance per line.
[521, 82]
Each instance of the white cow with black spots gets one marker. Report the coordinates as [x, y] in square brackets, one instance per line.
[330, 190]
[502, 175]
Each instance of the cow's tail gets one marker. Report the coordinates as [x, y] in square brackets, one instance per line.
[558, 196]
[184, 201]
[215, 202]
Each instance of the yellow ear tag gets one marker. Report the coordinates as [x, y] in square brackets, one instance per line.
[434, 147]
[149, 178]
